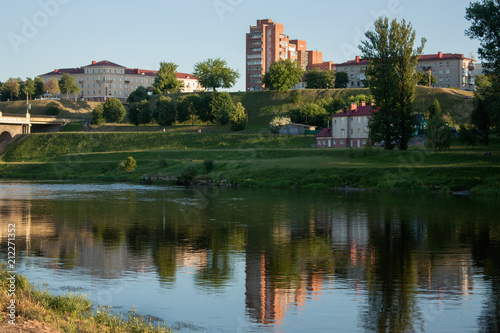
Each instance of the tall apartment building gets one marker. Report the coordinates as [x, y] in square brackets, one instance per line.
[450, 69]
[267, 43]
[104, 79]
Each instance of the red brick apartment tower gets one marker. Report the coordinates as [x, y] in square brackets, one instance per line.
[265, 44]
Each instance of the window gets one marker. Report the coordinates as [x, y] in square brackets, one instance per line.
[365, 131]
[352, 131]
[359, 131]
[359, 120]
[88, 85]
[334, 142]
[93, 78]
[342, 132]
[104, 70]
[447, 71]
[87, 71]
[366, 120]
[98, 70]
[88, 78]
[98, 78]
[341, 142]
[440, 71]
[342, 120]
[99, 85]
[256, 49]
[93, 85]
[93, 92]
[120, 86]
[93, 70]
[121, 78]
[99, 92]
[364, 142]
[88, 92]
[115, 71]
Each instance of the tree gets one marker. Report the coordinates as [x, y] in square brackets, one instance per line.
[238, 118]
[434, 109]
[186, 107]
[221, 106]
[129, 164]
[52, 109]
[113, 110]
[204, 109]
[11, 87]
[283, 75]
[29, 88]
[138, 95]
[98, 115]
[52, 87]
[166, 111]
[438, 133]
[214, 73]
[311, 114]
[318, 79]
[484, 16]
[480, 117]
[139, 113]
[277, 122]
[67, 85]
[38, 87]
[423, 79]
[392, 79]
[341, 80]
[166, 79]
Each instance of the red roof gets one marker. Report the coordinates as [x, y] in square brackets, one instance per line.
[104, 63]
[65, 70]
[359, 111]
[325, 133]
[425, 57]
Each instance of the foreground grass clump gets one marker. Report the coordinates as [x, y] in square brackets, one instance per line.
[67, 313]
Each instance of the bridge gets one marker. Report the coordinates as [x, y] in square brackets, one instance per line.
[12, 125]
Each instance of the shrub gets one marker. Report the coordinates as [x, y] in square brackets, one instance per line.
[129, 164]
[52, 109]
[277, 122]
[97, 115]
[238, 118]
[114, 111]
[208, 165]
[188, 174]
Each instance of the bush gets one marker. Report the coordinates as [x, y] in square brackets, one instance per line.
[277, 122]
[129, 164]
[114, 111]
[208, 165]
[52, 109]
[188, 174]
[97, 115]
[166, 111]
[238, 118]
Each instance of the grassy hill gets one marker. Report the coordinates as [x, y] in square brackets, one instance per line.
[264, 105]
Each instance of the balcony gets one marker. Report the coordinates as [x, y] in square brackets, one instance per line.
[472, 66]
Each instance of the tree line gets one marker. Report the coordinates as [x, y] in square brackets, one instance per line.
[33, 88]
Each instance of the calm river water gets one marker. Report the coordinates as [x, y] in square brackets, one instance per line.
[244, 260]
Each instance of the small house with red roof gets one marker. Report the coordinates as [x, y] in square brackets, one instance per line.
[349, 128]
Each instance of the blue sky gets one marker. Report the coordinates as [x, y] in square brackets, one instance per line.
[41, 35]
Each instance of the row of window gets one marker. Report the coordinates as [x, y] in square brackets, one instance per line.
[98, 70]
[359, 120]
[364, 131]
[341, 142]
[99, 93]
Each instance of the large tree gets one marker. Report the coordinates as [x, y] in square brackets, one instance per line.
[318, 79]
[166, 111]
[283, 75]
[67, 85]
[38, 88]
[341, 80]
[113, 110]
[11, 87]
[392, 78]
[52, 87]
[166, 79]
[186, 107]
[138, 95]
[214, 74]
[29, 88]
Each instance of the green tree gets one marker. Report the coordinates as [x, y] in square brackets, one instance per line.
[238, 118]
[204, 109]
[392, 79]
[38, 87]
[98, 115]
[113, 111]
[139, 113]
[438, 133]
[166, 79]
[480, 117]
[130, 164]
[283, 75]
[11, 87]
[318, 79]
[29, 88]
[52, 87]
[214, 74]
[166, 111]
[186, 107]
[311, 114]
[423, 79]
[138, 95]
[67, 85]
[52, 109]
[434, 109]
[221, 106]
[341, 80]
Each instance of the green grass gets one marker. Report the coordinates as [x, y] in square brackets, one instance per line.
[68, 313]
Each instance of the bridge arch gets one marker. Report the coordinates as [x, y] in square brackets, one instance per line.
[5, 136]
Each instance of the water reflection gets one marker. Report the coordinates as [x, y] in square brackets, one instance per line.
[408, 264]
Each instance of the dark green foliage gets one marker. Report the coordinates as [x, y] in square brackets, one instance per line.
[38, 88]
[423, 79]
[204, 109]
[318, 79]
[166, 79]
[480, 117]
[341, 80]
[114, 111]
[310, 114]
[188, 174]
[186, 107]
[214, 73]
[166, 111]
[138, 95]
[52, 109]
[129, 164]
[469, 135]
[208, 165]
[392, 79]
[67, 85]
[238, 118]
[97, 115]
[296, 96]
[140, 113]
[283, 75]
[438, 133]
[221, 106]
[434, 109]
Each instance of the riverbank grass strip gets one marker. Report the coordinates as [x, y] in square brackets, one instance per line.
[66, 313]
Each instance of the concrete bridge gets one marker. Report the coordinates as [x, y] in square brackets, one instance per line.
[12, 125]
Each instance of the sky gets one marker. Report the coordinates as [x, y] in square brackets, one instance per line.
[41, 35]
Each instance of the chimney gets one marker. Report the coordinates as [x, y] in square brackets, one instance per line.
[56, 70]
[94, 62]
[358, 58]
[363, 103]
[372, 103]
[440, 54]
[354, 106]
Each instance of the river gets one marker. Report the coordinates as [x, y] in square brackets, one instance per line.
[255, 260]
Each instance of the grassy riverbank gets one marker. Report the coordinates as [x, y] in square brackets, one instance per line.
[39, 311]
[253, 160]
